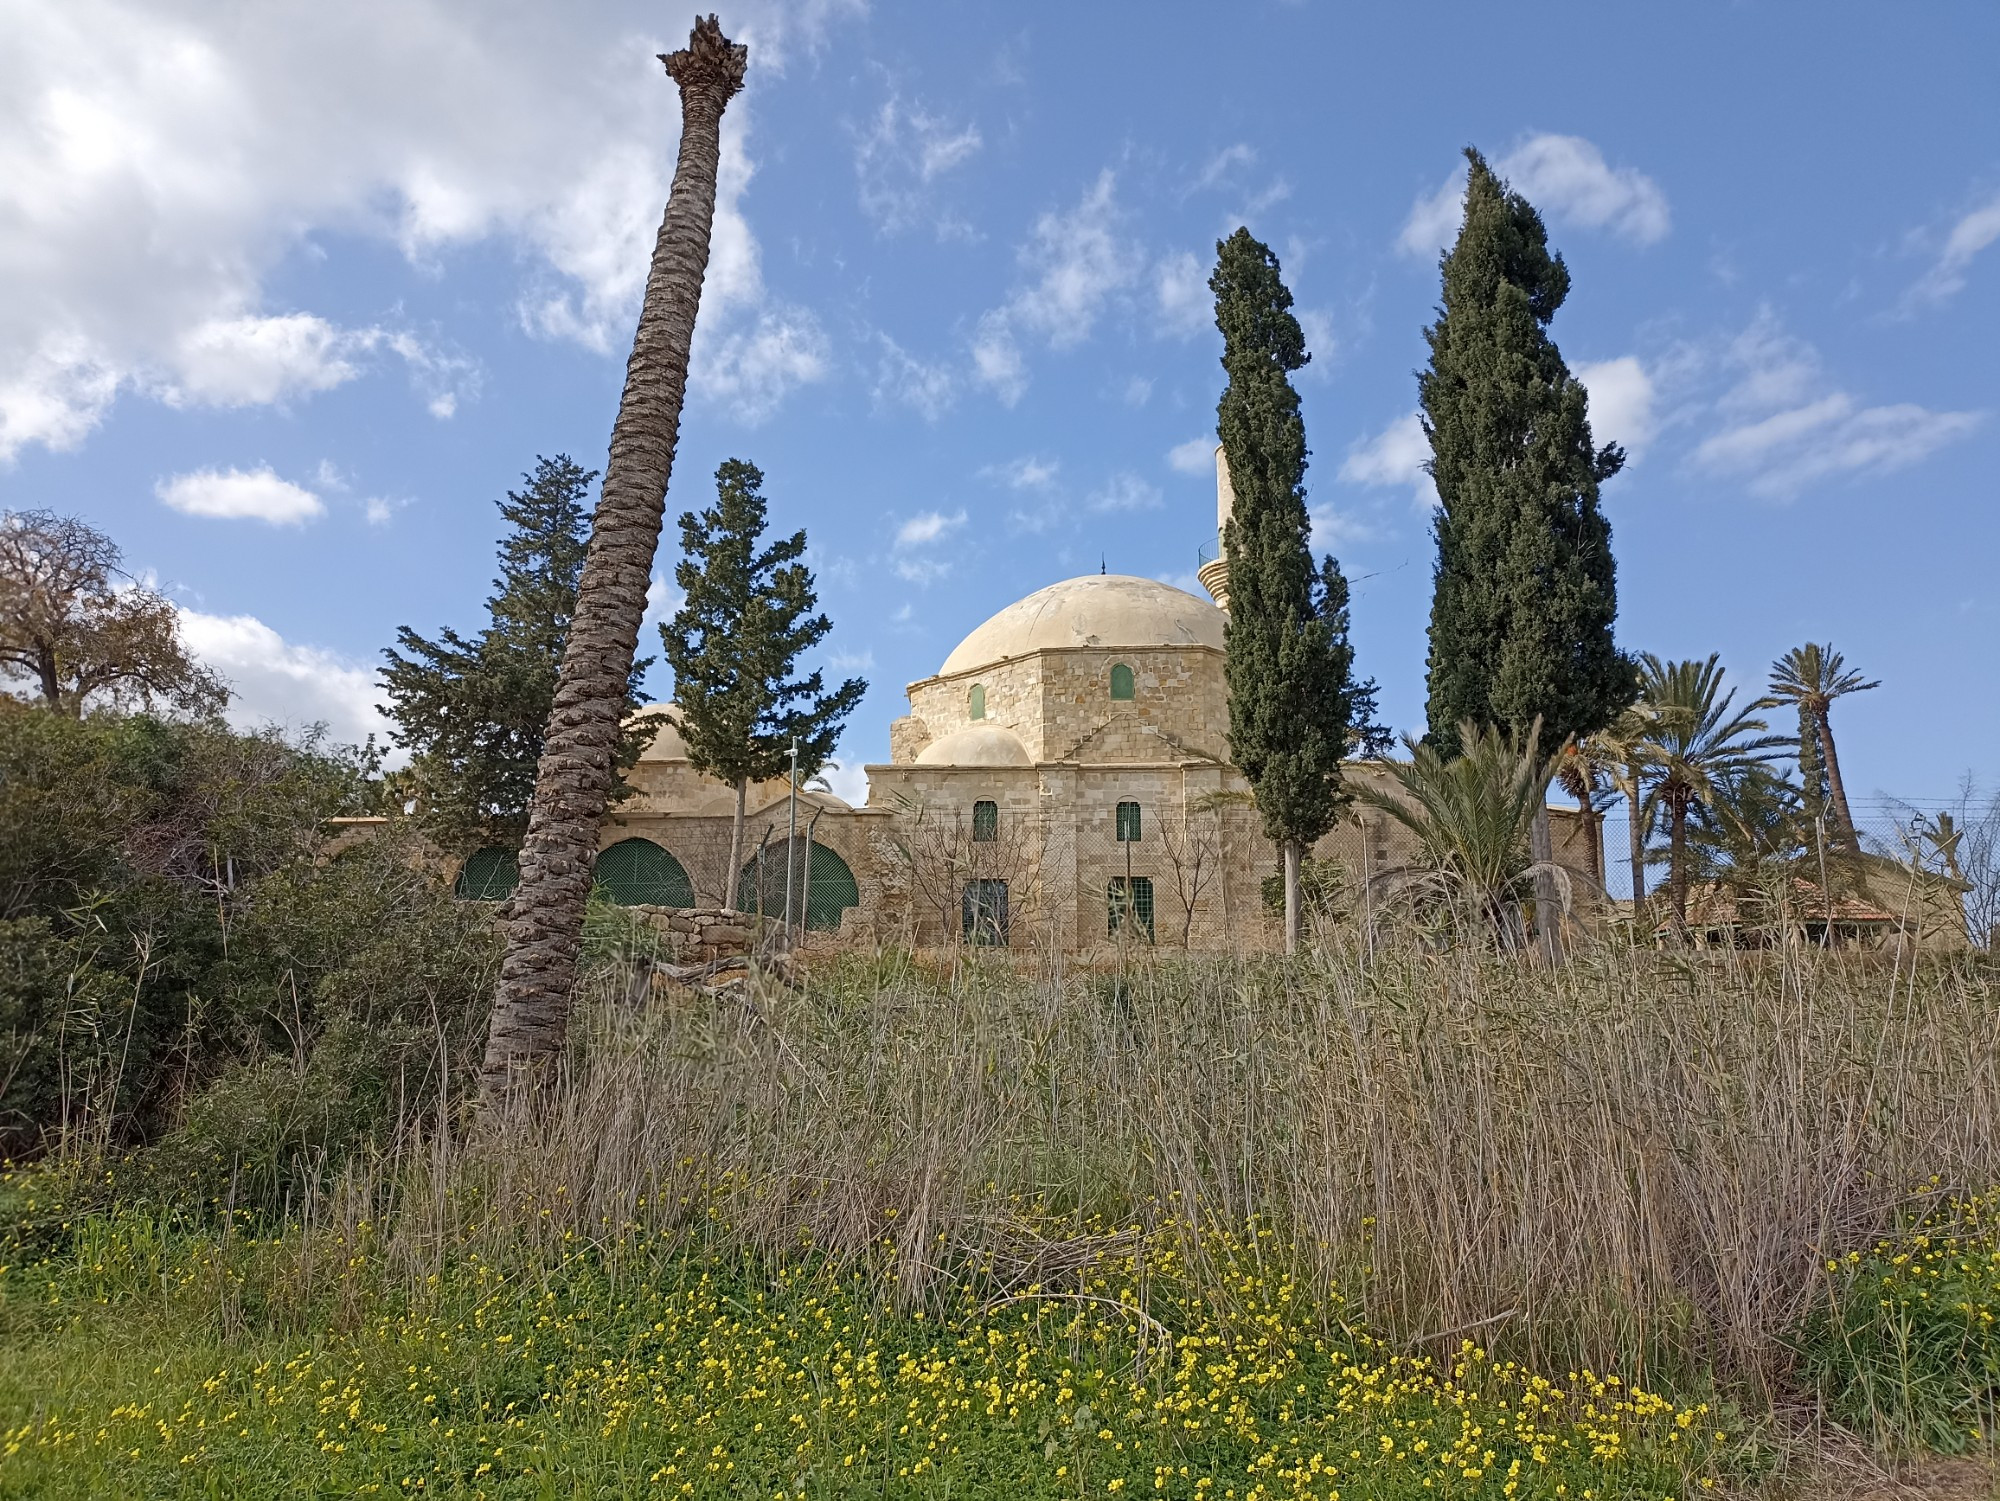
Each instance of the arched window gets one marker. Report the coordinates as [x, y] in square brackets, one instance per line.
[1122, 686]
[828, 885]
[638, 873]
[985, 822]
[977, 707]
[1128, 823]
[488, 875]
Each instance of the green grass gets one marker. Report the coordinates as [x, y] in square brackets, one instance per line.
[1907, 1348]
[140, 1362]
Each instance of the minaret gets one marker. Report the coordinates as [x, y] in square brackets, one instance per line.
[1214, 574]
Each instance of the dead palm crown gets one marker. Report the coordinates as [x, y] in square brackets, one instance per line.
[545, 916]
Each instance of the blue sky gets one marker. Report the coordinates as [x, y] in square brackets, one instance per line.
[289, 295]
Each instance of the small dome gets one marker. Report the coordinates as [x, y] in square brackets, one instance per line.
[666, 744]
[1115, 611]
[982, 745]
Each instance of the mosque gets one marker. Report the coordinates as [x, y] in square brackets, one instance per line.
[1061, 781]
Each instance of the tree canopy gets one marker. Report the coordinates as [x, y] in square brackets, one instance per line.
[750, 612]
[473, 712]
[80, 634]
[1525, 585]
[1290, 666]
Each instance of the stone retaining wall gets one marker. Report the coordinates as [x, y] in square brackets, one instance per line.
[702, 934]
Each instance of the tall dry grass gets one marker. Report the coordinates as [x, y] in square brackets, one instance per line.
[1634, 1161]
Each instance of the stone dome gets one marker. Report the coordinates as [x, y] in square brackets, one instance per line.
[1113, 611]
[666, 744]
[982, 745]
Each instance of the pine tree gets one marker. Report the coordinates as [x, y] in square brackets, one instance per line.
[473, 713]
[736, 640]
[1525, 585]
[1292, 694]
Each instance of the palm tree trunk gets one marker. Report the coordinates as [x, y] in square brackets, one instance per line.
[573, 782]
[1677, 862]
[732, 877]
[1637, 832]
[1836, 790]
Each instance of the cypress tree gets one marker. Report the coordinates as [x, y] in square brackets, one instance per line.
[733, 645]
[1525, 586]
[1288, 660]
[473, 712]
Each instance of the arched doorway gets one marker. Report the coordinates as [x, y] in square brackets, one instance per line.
[488, 875]
[638, 872]
[833, 887]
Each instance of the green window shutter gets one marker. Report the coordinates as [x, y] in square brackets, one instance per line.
[1128, 823]
[1122, 686]
[1129, 899]
[638, 872]
[819, 874]
[983, 913]
[488, 875]
[977, 707]
[985, 822]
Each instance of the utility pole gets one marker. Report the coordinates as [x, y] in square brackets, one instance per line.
[791, 840]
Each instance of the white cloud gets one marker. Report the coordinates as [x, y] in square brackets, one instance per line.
[897, 158]
[752, 367]
[377, 511]
[996, 359]
[240, 495]
[1181, 291]
[1026, 473]
[277, 681]
[1969, 236]
[1077, 261]
[1622, 402]
[849, 781]
[902, 378]
[927, 527]
[1125, 492]
[1396, 456]
[851, 661]
[235, 362]
[1196, 456]
[1333, 527]
[1317, 325]
[1138, 391]
[1786, 426]
[1567, 178]
[159, 159]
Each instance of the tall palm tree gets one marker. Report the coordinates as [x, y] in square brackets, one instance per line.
[1697, 743]
[545, 916]
[1812, 677]
[1471, 816]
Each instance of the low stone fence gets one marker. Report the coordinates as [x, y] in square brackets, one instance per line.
[702, 935]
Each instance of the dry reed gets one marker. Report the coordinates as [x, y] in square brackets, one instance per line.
[1637, 1160]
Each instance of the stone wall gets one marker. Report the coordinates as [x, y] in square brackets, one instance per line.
[701, 935]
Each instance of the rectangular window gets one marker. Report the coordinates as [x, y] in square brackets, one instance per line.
[1128, 823]
[1130, 899]
[985, 822]
[983, 914]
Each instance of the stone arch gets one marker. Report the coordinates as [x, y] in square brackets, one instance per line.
[834, 888]
[638, 872]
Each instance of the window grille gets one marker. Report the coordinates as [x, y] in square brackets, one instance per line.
[1128, 823]
[983, 913]
[1129, 898]
[1122, 685]
[985, 822]
[977, 707]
